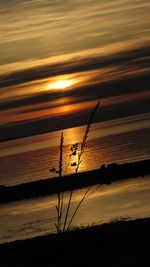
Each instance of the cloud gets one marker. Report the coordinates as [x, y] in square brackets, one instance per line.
[133, 58]
[61, 120]
[84, 93]
[41, 28]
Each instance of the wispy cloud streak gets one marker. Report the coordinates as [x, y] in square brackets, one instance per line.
[102, 45]
[133, 58]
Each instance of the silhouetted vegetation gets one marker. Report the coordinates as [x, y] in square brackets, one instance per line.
[122, 243]
[76, 150]
[79, 152]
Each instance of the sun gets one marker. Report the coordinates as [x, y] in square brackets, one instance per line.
[61, 84]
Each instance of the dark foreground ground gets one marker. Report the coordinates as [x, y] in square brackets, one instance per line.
[124, 243]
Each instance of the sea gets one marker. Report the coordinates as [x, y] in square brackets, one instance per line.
[31, 158]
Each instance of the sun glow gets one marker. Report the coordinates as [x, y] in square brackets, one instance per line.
[61, 84]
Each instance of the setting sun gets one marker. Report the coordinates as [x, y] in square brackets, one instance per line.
[61, 84]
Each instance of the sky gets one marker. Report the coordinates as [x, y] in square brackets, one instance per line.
[59, 57]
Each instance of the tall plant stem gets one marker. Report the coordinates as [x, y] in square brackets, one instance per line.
[78, 206]
[60, 196]
[78, 165]
[67, 211]
[86, 135]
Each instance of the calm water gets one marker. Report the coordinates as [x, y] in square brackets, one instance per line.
[119, 140]
[30, 158]
[127, 199]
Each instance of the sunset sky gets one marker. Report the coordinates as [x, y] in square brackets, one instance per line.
[58, 57]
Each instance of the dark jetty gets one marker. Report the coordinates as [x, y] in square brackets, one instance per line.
[105, 175]
[118, 244]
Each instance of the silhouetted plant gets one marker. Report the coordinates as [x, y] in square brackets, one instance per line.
[60, 194]
[76, 150]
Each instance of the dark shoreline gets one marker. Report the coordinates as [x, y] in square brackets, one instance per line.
[122, 243]
[105, 175]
